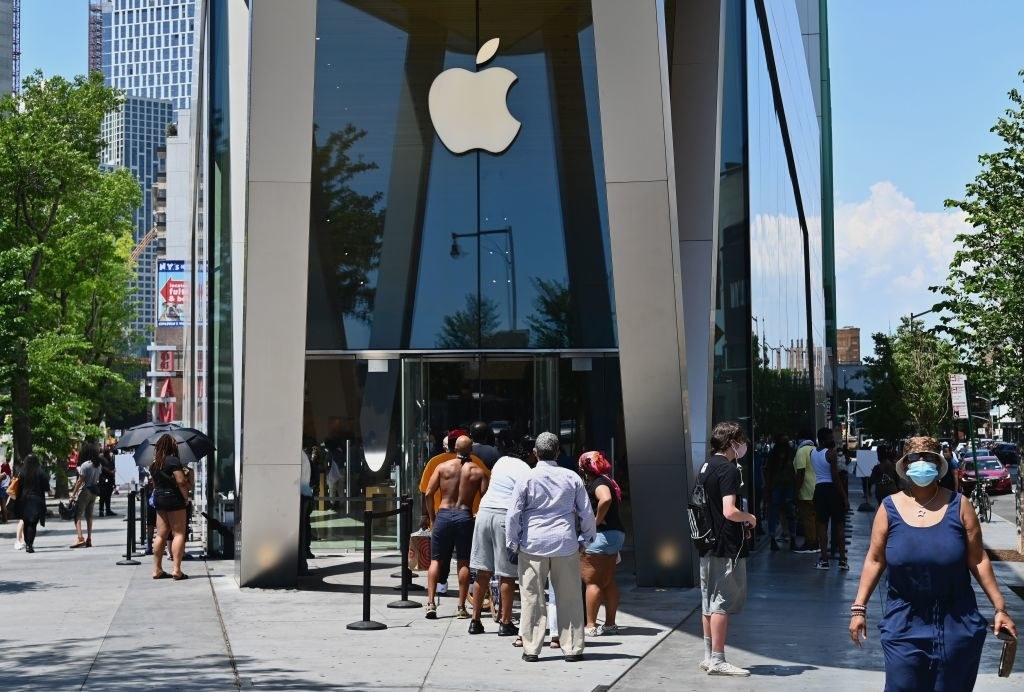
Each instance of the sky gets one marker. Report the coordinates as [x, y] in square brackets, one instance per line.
[916, 87]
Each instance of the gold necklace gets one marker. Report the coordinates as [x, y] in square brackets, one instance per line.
[922, 508]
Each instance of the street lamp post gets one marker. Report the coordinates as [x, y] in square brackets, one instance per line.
[510, 263]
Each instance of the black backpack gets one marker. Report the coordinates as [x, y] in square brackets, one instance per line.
[702, 531]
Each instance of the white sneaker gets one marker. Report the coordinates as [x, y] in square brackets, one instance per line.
[726, 668]
[18, 545]
[704, 665]
[592, 632]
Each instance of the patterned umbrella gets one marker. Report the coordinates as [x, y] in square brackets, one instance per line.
[192, 445]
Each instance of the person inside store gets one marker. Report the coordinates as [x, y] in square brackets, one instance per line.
[928, 540]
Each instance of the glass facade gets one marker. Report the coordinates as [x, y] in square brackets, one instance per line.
[476, 273]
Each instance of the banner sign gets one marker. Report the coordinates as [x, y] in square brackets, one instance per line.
[958, 390]
[172, 293]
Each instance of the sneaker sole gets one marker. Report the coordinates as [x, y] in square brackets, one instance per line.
[703, 666]
[730, 675]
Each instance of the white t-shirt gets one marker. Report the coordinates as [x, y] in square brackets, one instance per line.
[90, 473]
[506, 471]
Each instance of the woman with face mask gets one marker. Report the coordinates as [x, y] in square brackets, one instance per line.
[929, 540]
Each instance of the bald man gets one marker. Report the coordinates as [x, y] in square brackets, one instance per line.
[458, 481]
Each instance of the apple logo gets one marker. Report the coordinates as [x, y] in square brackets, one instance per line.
[469, 110]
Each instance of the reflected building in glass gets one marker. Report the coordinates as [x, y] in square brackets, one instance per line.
[542, 215]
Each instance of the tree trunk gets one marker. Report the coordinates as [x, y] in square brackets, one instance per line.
[20, 412]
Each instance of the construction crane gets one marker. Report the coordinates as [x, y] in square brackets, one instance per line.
[142, 244]
[16, 46]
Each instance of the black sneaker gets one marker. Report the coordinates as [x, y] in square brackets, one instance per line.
[507, 629]
[476, 627]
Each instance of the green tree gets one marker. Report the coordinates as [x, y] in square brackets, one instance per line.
[983, 296]
[65, 237]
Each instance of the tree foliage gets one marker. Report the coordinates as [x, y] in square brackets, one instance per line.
[983, 296]
[550, 323]
[65, 238]
[908, 382]
[459, 329]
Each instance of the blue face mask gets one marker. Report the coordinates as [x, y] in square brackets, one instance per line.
[922, 473]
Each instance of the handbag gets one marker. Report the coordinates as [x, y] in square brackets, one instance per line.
[67, 511]
[12, 489]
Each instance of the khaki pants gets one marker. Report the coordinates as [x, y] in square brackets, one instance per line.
[565, 579]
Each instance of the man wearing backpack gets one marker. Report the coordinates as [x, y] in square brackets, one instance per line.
[723, 564]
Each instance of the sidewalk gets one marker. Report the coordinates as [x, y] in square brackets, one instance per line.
[76, 620]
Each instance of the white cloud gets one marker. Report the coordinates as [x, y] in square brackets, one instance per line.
[887, 255]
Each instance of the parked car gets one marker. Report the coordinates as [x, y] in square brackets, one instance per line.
[1008, 453]
[989, 468]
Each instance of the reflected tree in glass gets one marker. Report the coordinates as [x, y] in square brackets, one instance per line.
[550, 322]
[349, 225]
[459, 329]
[779, 395]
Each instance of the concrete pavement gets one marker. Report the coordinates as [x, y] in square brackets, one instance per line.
[76, 620]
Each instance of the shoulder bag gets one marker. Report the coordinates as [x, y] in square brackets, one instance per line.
[12, 489]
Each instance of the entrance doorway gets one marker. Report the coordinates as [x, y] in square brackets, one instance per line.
[372, 424]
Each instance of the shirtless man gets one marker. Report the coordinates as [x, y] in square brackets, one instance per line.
[459, 481]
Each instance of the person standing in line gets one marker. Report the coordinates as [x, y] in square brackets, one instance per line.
[31, 500]
[541, 532]
[483, 443]
[171, 488]
[106, 483]
[723, 566]
[85, 492]
[779, 482]
[830, 500]
[488, 555]
[597, 564]
[928, 540]
[459, 482]
[805, 483]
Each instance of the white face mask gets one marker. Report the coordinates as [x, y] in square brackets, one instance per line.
[739, 450]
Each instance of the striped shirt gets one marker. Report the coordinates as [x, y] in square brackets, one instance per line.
[545, 507]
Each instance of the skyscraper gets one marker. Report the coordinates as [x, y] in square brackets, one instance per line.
[147, 48]
[7, 43]
[133, 135]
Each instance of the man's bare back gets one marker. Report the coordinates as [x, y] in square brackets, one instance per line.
[472, 480]
[458, 480]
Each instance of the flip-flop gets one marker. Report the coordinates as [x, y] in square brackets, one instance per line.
[518, 642]
[555, 643]
[162, 575]
[179, 577]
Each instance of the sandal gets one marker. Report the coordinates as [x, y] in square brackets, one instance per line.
[518, 642]
[179, 577]
[555, 643]
[162, 575]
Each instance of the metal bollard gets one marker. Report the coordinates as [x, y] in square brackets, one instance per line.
[404, 529]
[130, 534]
[366, 623]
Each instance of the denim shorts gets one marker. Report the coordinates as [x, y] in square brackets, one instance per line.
[607, 543]
[453, 531]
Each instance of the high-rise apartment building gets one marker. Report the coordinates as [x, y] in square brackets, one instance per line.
[133, 135]
[7, 41]
[147, 48]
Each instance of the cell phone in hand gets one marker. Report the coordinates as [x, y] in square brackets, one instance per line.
[1009, 652]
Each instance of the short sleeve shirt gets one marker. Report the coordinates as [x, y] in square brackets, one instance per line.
[802, 460]
[721, 479]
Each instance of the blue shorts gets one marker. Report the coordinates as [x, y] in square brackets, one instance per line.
[607, 543]
[453, 530]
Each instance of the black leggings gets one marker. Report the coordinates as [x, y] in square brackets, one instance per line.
[30, 533]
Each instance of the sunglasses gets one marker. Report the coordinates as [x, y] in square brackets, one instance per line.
[925, 456]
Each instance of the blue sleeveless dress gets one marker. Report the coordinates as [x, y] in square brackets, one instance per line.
[931, 631]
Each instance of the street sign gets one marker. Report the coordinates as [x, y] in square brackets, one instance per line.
[958, 392]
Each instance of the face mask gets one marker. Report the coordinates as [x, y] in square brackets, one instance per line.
[740, 450]
[922, 473]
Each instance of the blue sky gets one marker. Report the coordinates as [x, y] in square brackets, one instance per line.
[916, 85]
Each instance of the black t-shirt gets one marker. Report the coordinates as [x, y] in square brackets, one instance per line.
[164, 478]
[611, 522]
[721, 479]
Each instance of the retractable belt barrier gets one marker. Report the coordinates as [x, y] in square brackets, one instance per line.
[404, 512]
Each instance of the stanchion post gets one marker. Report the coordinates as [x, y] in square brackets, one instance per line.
[366, 623]
[130, 537]
[404, 529]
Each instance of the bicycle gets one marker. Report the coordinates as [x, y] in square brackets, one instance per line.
[980, 500]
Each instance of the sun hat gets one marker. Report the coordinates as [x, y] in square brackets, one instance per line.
[921, 445]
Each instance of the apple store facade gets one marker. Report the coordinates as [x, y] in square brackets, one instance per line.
[601, 218]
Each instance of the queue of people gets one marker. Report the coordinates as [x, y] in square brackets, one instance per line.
[553, 530]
